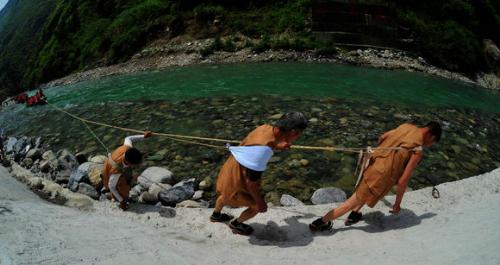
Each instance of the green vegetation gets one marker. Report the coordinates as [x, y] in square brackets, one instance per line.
[449, 33]
[44, 40]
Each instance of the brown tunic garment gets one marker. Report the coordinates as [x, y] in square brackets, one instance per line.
[118, 156]
[231, 184]
[387, 166]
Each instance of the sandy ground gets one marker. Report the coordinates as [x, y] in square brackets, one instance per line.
[462, 227]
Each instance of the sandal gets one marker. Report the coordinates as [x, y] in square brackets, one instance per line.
[353, 218]
[220, 218]
[319, 225]
[240, 228]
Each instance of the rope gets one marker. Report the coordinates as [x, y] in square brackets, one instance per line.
[95, 136]
[363, 158]
[188, 139]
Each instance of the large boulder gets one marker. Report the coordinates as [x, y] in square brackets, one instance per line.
[49, 155]
[88, 190]
[189, 184]
[66, 160]
[328, 195]
[34, 154]
[9, 146]
[99, 159]
[87, 166]
[22, 146]
[81, 157]
[62, 176]
[175, 195]
[155, 175]
[95, 173]
[157, 188]
[288, 200]
[46, 166]
[136, 191]
[148, 198]
[75, 178]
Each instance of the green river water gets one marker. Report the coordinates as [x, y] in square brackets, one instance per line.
[348, 106]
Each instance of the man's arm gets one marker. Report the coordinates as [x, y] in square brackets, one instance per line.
[403, 181]
[113, 181]
[133, 138]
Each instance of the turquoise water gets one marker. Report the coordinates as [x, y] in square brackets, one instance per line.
[348, 106]
[283, 79]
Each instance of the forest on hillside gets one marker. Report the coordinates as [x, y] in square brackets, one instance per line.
[44, 40]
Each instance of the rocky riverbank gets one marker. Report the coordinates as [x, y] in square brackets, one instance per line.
[180, 52]
[469, 145]
[72, 180]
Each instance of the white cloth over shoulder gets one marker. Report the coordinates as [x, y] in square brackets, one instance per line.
[253, 157]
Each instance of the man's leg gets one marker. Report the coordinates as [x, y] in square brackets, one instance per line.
[217, 216]
[237, 224]
[324, 223]
[357, 209]
[355, 215]
[219, 204]
[248, 214]
[351, 203]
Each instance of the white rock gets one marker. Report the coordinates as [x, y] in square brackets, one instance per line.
[189, 204]
[49, 155]
[198, 195]
[85, 167]
[328, 195]
[288, 200]
[155, 175]
[98, 159]
[154, 189]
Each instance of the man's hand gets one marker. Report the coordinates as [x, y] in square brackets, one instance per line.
[283, 145]
[147, 134]
[395, 209]
[123, 205]
[261, 206]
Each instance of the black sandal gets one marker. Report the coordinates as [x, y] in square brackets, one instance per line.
[220, 218]
[319, 225]
[353, 218]
[240, 228]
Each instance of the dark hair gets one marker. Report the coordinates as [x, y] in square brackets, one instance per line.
[133, 156]
[292, 121]
[435, 129]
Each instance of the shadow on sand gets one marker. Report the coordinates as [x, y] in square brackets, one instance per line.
[293, 234]
[297, 234]
[377, 222]
[167, 212]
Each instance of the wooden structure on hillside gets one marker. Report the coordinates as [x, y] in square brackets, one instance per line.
[370, 22]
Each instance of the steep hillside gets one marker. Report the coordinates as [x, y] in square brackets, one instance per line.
[44, 40]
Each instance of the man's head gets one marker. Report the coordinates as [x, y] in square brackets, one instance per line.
[432, 133]
[289, 127]
[133, 157]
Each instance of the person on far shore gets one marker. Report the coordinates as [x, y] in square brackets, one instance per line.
[116, 176]
[386, 169]
[238, 183]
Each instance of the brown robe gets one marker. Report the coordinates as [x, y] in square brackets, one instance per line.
[231, 183]
[387, 166]
[118, 156]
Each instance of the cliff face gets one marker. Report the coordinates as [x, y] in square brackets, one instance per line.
[44, 40]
